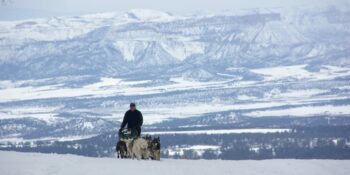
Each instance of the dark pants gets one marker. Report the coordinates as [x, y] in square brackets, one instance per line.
[138, 129]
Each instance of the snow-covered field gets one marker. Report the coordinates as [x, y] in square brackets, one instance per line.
[304, 111]
[22, 90]
[61, 139]
[12, 91]
[13, 163]
[299, 72]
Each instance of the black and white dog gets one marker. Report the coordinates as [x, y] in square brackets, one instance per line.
[122, 150]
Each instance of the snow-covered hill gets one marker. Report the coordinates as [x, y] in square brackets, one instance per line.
[33, 163]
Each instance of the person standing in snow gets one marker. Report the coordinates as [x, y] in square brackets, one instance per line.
[133, 118]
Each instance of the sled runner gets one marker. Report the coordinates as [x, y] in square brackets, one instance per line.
[127, 134]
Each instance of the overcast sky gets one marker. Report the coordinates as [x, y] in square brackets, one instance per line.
[75, 7]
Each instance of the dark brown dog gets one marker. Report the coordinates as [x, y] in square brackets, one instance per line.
[121, 148]
[156, 148]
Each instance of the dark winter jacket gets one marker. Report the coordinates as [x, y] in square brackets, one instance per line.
[134, 119]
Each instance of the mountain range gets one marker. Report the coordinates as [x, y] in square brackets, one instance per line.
[153, 42]
[69, 77]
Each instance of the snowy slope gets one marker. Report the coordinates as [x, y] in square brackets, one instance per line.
[39, 164]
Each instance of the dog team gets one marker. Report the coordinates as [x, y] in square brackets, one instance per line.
[131, 144]
[140, 148]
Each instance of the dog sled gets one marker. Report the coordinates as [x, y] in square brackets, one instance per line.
[127, 134]
[132, 146]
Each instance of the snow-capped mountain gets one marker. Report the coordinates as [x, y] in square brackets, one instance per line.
[142, 40]
[74, 76]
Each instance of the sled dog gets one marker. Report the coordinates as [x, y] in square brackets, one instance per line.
[138, 148]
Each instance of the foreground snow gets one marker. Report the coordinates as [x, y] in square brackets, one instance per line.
[35, 163]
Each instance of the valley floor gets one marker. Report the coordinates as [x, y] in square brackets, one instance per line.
[14, 163]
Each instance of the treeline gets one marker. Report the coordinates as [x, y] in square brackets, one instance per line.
[317, 142]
